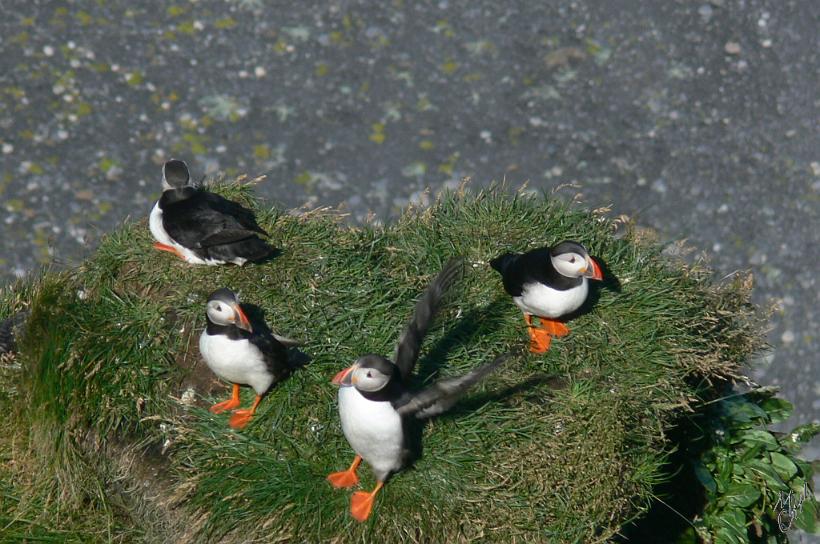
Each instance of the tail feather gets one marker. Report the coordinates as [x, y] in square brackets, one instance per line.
[410, 342]
[287, 342]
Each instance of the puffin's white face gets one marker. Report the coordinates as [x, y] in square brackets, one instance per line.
[571, 265]
[369, 379]
[220, 313]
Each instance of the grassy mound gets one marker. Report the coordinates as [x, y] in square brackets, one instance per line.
[106, 440]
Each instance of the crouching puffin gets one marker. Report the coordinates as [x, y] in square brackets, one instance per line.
[549, 283]
[238, 354]
[201, 227]
[374, 399]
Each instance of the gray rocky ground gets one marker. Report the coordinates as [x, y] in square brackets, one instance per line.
[698, 118]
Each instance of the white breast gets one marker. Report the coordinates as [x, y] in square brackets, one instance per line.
[235, 361]
[161, 236]
[538, 299]
[373, 429]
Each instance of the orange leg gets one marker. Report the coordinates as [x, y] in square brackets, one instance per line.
[346, 478]
[539, 338]
[240, 418]
[361, 504]
[229, 404]
[169, 249]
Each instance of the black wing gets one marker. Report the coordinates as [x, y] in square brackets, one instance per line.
[203, 219]
[518, 270]
[241, 214]
[442, 395]
[410, 342]
[506, 266]
[275, 354]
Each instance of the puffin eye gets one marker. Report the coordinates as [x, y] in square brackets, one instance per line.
[369, 374]
[218, 308]
[572, 259]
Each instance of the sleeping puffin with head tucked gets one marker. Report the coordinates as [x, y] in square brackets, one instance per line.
[375, 401]
[201, 227]
[549, 283]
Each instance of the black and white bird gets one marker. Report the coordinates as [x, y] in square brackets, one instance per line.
[201, 227]
[238, 354]
[374, 398]
[549, 283]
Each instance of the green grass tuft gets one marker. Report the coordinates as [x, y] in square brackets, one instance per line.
[566, 446]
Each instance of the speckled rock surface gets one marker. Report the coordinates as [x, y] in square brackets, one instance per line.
[697, 118]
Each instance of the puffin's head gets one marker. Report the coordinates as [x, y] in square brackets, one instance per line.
[571, 259]
[175, 175]
[223, 309]
[370, 373]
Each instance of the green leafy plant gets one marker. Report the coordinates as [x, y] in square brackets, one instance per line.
[757, 489]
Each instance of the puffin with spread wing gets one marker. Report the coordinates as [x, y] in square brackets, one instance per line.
[375, 400]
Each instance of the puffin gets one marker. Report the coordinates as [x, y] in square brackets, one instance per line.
[10, 329]
[549, 283]
[237, 353]
[375, 402]
[201, 227]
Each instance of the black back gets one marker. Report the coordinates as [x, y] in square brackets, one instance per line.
[201, 221]
[518, 270]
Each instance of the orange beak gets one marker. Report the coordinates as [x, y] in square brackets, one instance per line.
[244, 323]
[594, 270]
[342, 379]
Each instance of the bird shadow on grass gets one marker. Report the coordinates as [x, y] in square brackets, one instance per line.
[414, 428]
[527, 388]
[473, 324]
[275, 252]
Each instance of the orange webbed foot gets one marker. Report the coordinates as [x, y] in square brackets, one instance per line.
[240, 418]
[229, 404]
[346, 478]
[540, 340]
[169, 249]
[343, 479]
[220, 407]
[361, 503]
[554, 327]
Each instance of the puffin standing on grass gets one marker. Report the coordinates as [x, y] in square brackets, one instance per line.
[201, 227]
[374, 399]
[238, 354]
[549, 283]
